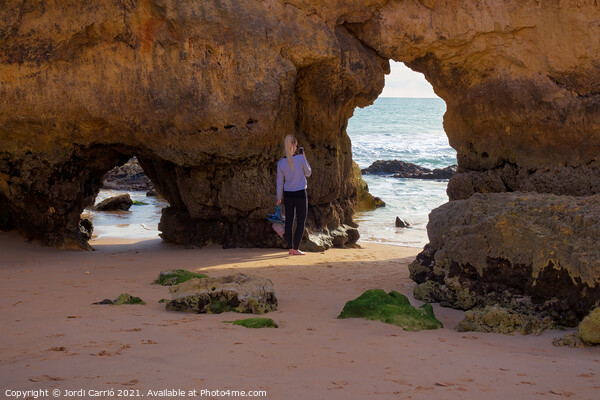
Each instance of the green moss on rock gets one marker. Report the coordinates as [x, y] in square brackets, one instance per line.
[173, 277]
[589, 328]
[364, 200]
[218, 306]
[126, 298]
[392, 308]
[254, 323]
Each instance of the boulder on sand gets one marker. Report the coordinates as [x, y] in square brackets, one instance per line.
[117, 203]
[241, 293]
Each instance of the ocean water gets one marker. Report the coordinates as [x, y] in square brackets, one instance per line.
[410, 130]
[406, 129]
[139, 222]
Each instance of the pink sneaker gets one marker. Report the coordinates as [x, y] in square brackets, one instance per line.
[297, 253]
[291, 251]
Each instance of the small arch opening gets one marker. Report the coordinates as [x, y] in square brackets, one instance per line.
[132, 220]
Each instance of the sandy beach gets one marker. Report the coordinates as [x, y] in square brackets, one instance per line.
[54, 338]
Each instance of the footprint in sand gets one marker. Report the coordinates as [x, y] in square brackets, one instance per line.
[590, 375]
[105, 353]
[130, 383]
[338, 385]
[562, 393]
[424, 388]
[148, 342]
[43, 378]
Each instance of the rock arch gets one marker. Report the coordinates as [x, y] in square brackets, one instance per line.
[204, 91]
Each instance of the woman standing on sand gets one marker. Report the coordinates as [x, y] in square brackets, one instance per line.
[292, 171]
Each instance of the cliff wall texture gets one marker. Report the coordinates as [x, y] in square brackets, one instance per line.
[203, 92]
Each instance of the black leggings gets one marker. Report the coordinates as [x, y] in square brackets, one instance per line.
[295, 203]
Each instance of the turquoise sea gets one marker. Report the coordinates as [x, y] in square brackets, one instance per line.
[410, 130]
[406, 129]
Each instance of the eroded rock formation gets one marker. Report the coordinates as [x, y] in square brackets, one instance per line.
[526, 251]
[520, 81]
[202, 92]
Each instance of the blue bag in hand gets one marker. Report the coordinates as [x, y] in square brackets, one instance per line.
[278, 222]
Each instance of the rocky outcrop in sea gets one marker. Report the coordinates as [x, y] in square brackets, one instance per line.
[129, 176]
[402, 169]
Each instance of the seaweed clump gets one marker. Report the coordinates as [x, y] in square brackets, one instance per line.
[124, 298]
[254, 323]
[392, 308]
[173, 277]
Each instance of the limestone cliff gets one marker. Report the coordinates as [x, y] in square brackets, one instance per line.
[522, 89]
[202, 92]
[524, 250]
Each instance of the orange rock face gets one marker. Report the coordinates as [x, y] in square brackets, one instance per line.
[203, 93]
[520, 80]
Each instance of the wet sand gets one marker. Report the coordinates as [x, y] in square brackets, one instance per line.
[53, 338]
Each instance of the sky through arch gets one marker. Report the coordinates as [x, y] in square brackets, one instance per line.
[404, 82]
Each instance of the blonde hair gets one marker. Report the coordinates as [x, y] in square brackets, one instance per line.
[289, 143]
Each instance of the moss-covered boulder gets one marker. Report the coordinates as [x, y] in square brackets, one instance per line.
[239, 292]
[503, 320]
[364, 200]
[126, 298]
[589, 328]
[172, 277]
[254, 323]
[392, 308]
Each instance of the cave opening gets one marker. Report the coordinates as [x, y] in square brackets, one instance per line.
[128, 206]
[405, 124]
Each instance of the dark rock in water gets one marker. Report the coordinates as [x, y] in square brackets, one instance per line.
[86, 228]
[435, 174]
[239, 292]
[151, 193]
[379, 202]
[392, 308]
[400, 223]
[530, 252]
[129, 176]
[173, 277]
[503, 320]
[118, 203]
[381, 167]
[402, 169]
